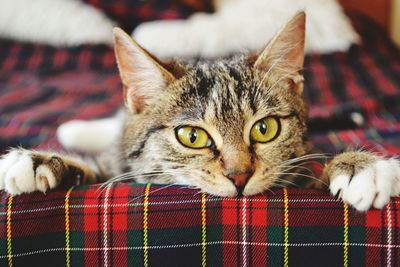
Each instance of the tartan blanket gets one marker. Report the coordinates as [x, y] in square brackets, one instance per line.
[143, 225]
[132, 224]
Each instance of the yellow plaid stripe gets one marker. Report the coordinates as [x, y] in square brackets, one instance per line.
[203, 230]
[145, 226]
[67, 238]
[9, 235]
[346, 235]
[286, 229]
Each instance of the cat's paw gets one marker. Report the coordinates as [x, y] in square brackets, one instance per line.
[23, 171]
[363, 180]
[89, 136]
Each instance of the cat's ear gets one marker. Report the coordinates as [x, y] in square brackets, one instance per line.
[284, 55]
[142, 74]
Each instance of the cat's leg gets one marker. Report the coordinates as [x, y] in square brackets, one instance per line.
[92, 136]
[363, 179]
[25, 171]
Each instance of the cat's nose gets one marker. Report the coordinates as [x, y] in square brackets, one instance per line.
[239, 179]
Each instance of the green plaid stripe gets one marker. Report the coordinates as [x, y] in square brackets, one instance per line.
[107, 228]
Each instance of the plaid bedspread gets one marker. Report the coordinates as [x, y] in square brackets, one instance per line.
[135, 225]
[139, 225]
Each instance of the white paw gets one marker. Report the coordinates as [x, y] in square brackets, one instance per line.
[89, 136]
[372, 186]
[17, 174]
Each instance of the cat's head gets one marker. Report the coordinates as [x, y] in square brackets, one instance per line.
[226, 127]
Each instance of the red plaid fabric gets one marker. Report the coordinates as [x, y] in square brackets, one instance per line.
[139, 225]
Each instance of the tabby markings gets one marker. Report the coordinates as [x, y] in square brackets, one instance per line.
[136, 153]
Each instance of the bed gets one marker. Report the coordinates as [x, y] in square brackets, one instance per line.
[155, 225]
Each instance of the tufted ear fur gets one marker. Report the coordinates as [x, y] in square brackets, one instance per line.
[142, 75]
[284, 55]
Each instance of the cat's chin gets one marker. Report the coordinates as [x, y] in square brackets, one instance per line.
[231, 190]
[226, 192]
[251, 191]
[234, 192]
[256, 186]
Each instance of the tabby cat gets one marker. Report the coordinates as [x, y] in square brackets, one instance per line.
[230, 127]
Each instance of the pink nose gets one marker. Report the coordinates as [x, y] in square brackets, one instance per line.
[239, 179]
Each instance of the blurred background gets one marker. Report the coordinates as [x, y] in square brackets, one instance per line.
[57, 62]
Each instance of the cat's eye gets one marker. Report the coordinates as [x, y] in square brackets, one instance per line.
[193, 137]
[265, 130]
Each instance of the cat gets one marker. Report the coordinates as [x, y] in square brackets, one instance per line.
[230, 127]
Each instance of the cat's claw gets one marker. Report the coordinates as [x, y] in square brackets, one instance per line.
[17, 174]
[372, 186]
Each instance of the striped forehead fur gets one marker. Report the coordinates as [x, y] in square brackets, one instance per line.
[230, 88]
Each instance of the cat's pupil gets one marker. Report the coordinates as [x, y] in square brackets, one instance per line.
[193, 135]
[263, 127]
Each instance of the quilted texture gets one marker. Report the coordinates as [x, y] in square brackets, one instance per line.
[130, 224]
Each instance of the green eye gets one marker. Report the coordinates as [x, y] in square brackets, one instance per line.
[193, 137]
[265, 130]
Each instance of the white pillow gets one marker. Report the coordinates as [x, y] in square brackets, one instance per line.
[55, 22]
[240, 25]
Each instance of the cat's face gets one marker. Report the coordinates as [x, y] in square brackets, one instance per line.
[226, 127]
